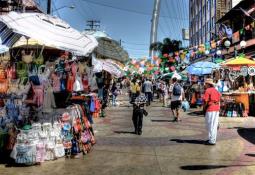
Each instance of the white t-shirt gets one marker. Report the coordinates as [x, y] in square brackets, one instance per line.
[175, 97]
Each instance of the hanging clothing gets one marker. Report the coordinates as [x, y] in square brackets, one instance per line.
[70, 83]
[49, 100]
[56, 83]
[85, 82]
[38, 95]
[78, 86]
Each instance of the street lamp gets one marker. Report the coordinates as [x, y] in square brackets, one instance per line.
[70, 7]
[227, 44]
[243, 44]
[218, 52]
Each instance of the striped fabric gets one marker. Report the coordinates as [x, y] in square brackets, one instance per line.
[8, 37]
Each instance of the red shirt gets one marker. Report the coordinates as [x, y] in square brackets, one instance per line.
[212, 96]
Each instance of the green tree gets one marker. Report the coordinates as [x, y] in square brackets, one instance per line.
[167, 46]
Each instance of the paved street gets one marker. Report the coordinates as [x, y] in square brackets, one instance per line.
[164, 148]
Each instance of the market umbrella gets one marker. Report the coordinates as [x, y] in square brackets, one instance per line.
[239, 61]
[201, 68]
[51, 31]
[218, 61]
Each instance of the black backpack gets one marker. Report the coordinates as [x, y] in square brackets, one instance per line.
[177, 90]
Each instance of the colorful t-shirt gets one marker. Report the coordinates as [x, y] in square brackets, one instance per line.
[212, 96]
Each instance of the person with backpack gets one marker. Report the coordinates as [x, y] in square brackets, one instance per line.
[177, 96]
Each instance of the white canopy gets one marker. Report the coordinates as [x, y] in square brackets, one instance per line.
[52, 31]
[107, 65]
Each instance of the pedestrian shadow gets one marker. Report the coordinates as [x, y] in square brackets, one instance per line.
[124, 132]
[195, 113]
[251, 155]
[162, 120]
[202, 167]
[247, 134]
[199, 142]
[209, 167]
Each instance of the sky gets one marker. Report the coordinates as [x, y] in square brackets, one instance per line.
[127, 20]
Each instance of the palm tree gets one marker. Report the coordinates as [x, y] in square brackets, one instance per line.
[167, 46]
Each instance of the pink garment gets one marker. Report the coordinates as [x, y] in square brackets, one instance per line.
[40, 152]
[74, 68]
[38, 95]
[56, 83]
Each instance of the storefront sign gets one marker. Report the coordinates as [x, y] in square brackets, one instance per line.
[233, 75]
[244, 71]
[251, 71]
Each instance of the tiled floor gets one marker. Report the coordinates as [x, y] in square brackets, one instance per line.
[164, 148]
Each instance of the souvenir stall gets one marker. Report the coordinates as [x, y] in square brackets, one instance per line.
[236, 84]
[36, 81]
[197, 73]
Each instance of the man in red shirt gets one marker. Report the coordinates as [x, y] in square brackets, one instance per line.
[212, 108]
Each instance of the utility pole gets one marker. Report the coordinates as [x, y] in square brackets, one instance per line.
[154, 24]
[49, 7]
[93, 25]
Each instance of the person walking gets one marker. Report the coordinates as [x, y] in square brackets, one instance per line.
[148, 90]
[165, 94]
[211, 109]
[133, 90]
[177, 96]
[114, 91]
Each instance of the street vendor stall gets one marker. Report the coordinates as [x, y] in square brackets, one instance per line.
[237, 79]
[197, 73]
[36, 78]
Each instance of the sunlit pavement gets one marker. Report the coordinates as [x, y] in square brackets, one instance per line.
[164, 147]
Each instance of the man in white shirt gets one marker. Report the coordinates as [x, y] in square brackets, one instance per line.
[177, 96]
[148, 90]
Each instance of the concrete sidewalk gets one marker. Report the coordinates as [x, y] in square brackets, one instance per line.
[163, 148]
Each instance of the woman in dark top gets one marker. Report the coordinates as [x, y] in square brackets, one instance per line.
[114, 91]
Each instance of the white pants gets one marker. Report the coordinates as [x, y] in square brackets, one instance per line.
[212, 121]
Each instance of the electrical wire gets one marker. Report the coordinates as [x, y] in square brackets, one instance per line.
[129, 10]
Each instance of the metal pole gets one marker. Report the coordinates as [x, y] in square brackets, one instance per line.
[154, 24]
[49, 7]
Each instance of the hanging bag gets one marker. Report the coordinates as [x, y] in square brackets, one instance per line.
[27, 58]
[5, 57]
[11, 72]
[2, 73]
[85, 136]
[22, 70]
[39, 60]
[3, 86]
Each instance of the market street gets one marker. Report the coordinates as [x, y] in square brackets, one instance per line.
[163, 148]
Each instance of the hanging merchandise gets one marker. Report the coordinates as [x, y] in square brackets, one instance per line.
[27, 58]
[22, 70]
[39, 59]
[3, 86]
[2, 73]
[5, 57]
[56, 82]
[93, 85]
[33, 76]
[78, 86]
[11, 72]
[48, 99]
[38, 94]
[70, 82]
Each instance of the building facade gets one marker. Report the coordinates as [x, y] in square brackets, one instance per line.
[203, 17]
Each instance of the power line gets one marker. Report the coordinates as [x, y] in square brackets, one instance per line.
[132, 11]
[133, 43]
